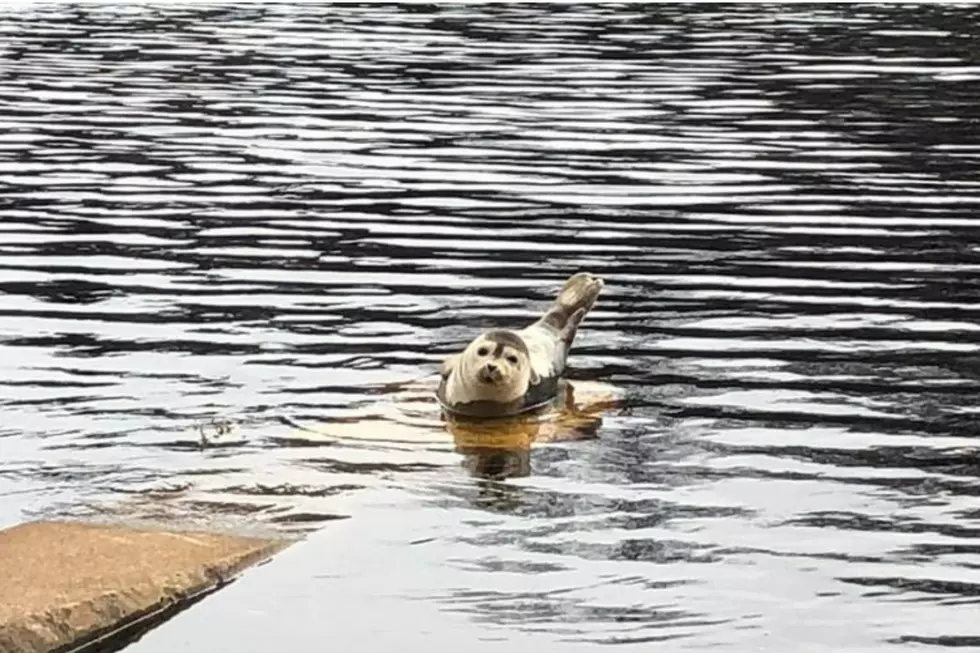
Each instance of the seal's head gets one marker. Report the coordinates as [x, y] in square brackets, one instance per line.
[496, 366]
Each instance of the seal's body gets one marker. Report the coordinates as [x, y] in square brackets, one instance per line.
[503, 372]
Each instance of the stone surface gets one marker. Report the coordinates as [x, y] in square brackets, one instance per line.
[67, 583]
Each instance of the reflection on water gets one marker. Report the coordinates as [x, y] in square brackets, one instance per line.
[249, 212]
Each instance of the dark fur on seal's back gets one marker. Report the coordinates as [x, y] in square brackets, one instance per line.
[546, 343]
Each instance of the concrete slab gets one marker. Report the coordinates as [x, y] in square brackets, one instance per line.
[69, 584]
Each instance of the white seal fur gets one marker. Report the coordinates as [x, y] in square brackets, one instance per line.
[503, 372]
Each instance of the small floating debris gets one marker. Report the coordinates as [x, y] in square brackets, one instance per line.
[219, 432]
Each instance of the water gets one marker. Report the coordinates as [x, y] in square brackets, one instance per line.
[240, 212]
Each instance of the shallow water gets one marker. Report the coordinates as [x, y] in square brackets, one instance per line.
[248, 212]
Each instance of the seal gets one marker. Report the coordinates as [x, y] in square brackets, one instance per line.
[503, 372]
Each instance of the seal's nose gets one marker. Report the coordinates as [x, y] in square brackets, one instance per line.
[489, 373]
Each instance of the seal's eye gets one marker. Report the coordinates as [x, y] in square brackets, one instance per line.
[482, 351]
[512, 359]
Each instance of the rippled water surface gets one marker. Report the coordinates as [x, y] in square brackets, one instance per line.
[241, 213]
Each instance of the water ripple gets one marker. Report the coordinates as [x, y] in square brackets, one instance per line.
[243, 212]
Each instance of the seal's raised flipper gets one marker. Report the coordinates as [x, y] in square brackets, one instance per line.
[575, 300]
[571, 327]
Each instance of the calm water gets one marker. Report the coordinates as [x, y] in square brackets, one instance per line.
[243, 212]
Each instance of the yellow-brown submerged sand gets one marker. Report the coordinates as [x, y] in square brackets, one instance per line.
[65, 583]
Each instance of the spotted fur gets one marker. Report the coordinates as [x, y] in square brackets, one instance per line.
[541, 349]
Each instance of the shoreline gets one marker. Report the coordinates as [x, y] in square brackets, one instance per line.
[78, 586]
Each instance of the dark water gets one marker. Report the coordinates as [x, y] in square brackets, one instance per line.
[250, 211]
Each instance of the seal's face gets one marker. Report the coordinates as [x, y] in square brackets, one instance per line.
[496, 367]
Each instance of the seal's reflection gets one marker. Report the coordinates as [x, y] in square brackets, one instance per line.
[496, 464]
[499, 449]
[490, 467]
[491, 450]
